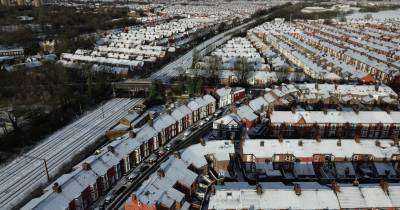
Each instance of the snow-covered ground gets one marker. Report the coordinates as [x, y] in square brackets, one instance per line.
[24, 174]
[382, 15]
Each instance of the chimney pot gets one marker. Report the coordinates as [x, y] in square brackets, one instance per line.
[86, 166]
[161, 173]
[132, 134]
[297, 189]
[177, 155]
[110, 148]
[57, 188]
[356, 183]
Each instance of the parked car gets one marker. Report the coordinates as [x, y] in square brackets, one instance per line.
[160, 152]
[152, 159]
[109, 197]
[167, 147]
[202, 123]
[144, 167]
[187, 133]
[217, 113]
[132, 176]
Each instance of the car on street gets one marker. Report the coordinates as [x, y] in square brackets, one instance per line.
[132, 176]
[217, 113]
[203, 122]
[152, 159]
[167, 147]
[187, 133]
[144, 167]
[109, 197]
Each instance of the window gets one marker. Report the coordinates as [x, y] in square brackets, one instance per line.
[261, 143]
[229, 195]
[364, 132]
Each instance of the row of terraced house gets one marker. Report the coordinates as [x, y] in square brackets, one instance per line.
[95, 175]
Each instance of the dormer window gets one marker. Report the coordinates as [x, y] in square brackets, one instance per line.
[229, 195]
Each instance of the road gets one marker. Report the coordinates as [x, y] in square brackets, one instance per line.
[23, 175]
[178, 145]
[169, 71]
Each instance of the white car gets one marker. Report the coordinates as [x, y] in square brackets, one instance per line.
[202, 123]
[109, 198]
[132, 176]
[167, 147]
[187, 133]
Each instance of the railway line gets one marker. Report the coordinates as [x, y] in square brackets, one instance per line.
[23, 175]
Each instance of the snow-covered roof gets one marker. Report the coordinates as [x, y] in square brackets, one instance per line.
[310, 147]
[363, 117]
[246, 113]
[274, 196]
[258, 103]
[221, 92]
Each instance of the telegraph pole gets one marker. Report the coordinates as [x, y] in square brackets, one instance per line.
[45, 164]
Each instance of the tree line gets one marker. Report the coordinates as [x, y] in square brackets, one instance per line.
[36, 102]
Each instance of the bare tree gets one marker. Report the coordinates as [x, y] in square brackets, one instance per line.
[242, 69]
[214, 63]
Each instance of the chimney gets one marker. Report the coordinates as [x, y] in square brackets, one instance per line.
[357, 139]
[280, 138]
[325, 111]
[335, 186]
[134, 197]
[151, 115]
[385, 186]
[356, 109]
[297, 189]
[150, 122]
[318, 138]
[234, 110]
[161, 173]
[300, 143]
[177, 155]
[132, 134]
[356, 183]
[110, 148]
[56, 188]
[86, 166]
[387, 109]
[202, 142]
[339, 143]
[259, 189]
[377, 143]
[293, 110]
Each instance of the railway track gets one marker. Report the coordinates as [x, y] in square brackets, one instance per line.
[23, 175]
